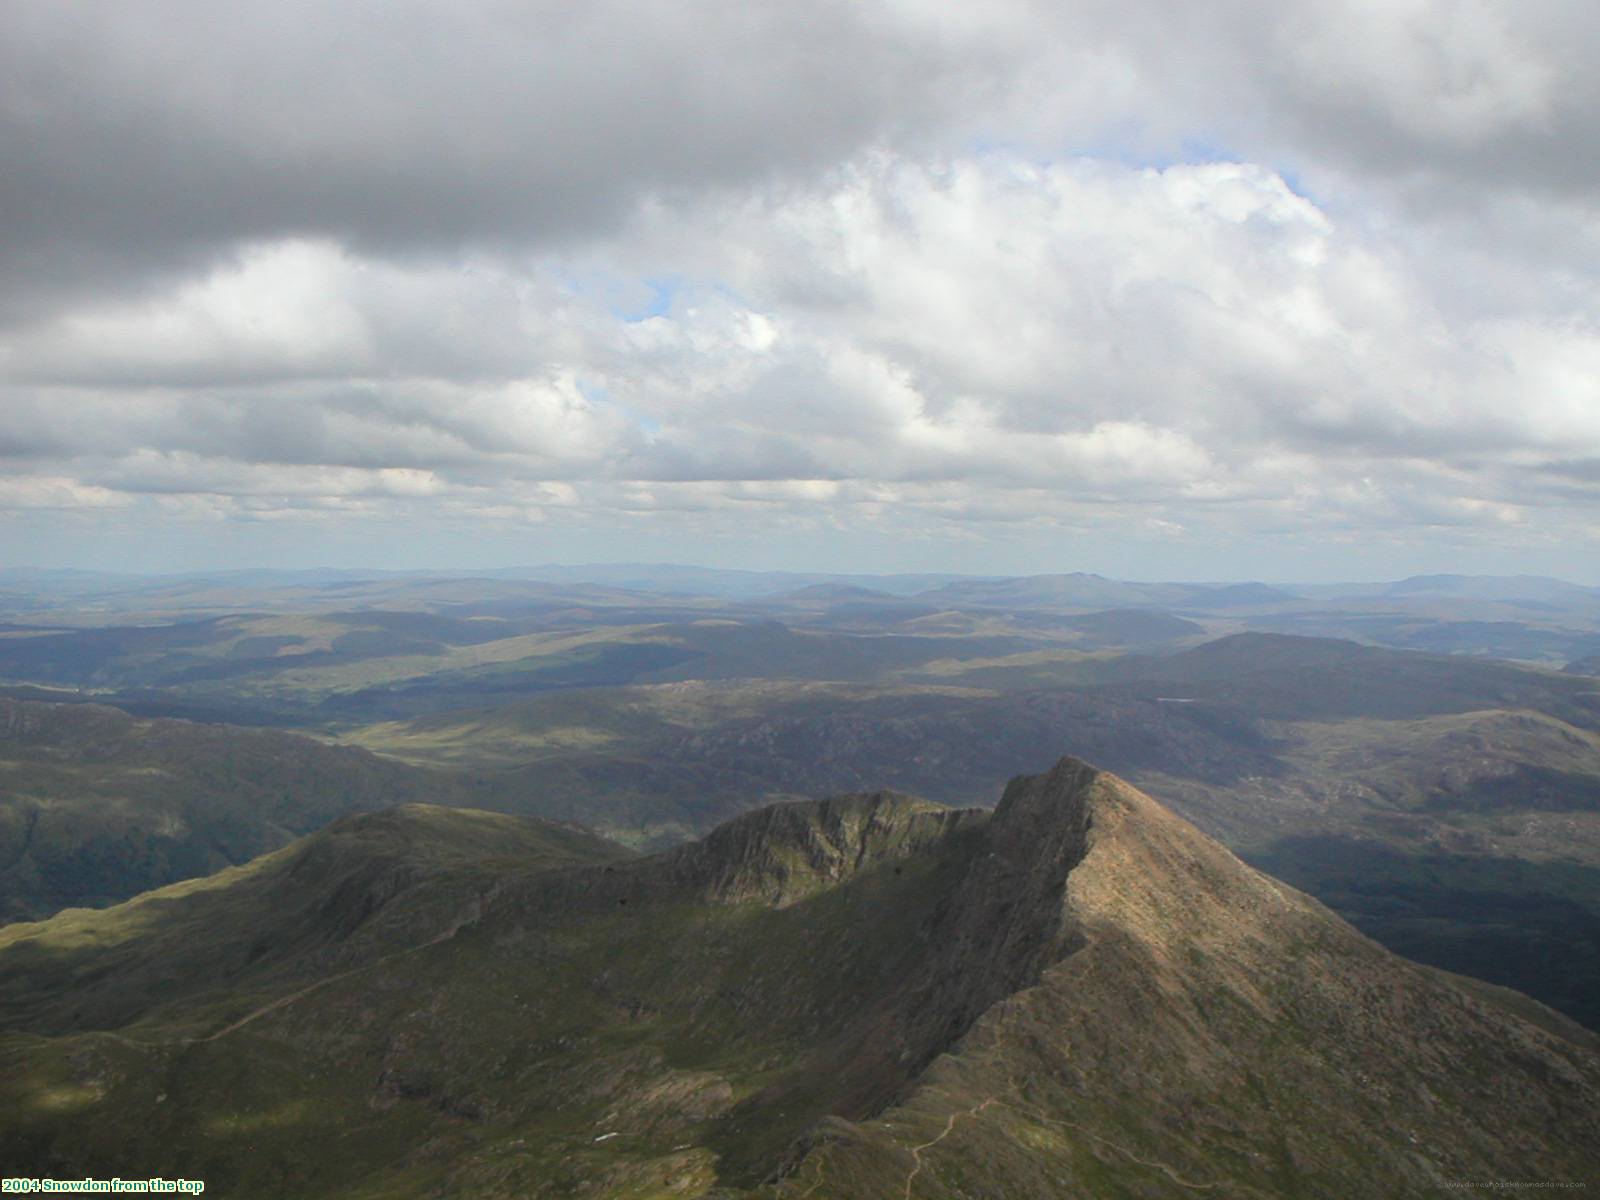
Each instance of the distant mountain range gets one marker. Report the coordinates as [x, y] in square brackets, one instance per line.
[1075, 589]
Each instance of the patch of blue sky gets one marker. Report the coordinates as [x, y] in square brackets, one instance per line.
[663, 291]
[1292, 180]
[627, 299]
[1134, 148]
[599, 394]
[1121, 145]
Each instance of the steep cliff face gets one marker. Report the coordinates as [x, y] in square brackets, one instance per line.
[1177, 1022]
[868, 996]
[785, 852]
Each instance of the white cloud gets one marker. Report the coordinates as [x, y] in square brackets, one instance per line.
[900, 268]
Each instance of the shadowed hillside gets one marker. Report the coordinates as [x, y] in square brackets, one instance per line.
[96, 805]
[870, 996]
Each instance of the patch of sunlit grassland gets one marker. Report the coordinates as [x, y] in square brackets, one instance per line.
[291, 1113]
[478, 744]
[1010, 672]
[75, 929]
[399, 668]
[38, 1082]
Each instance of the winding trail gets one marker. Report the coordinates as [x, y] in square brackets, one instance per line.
[1031, 1112]
[822, 1178]
[284, 1001]
[949, 1127]
[986, 1102]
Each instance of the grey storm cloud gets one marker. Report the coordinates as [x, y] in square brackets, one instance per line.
[146, 138]
[1469, 95]
[139, 137]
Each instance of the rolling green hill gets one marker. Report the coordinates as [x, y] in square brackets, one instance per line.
[97, 805]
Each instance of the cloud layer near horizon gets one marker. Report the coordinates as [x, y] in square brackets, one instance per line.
[1328, 277]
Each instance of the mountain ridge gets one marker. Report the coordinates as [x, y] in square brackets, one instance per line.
[99, 805]
[860, 997]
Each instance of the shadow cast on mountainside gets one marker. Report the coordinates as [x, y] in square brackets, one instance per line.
[1530, 926]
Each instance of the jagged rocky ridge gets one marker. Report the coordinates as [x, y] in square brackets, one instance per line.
[866, 996]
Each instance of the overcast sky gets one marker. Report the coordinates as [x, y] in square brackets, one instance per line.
[1306, 290]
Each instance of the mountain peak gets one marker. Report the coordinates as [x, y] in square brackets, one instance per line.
[1061, 794]
[867, 995]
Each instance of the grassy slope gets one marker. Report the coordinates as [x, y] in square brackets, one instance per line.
[96, 806]
[867, 999]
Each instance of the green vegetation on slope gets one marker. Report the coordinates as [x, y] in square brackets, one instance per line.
[97, 806]
[865, 997]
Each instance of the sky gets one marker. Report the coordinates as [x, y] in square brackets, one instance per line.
[1223, 290]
